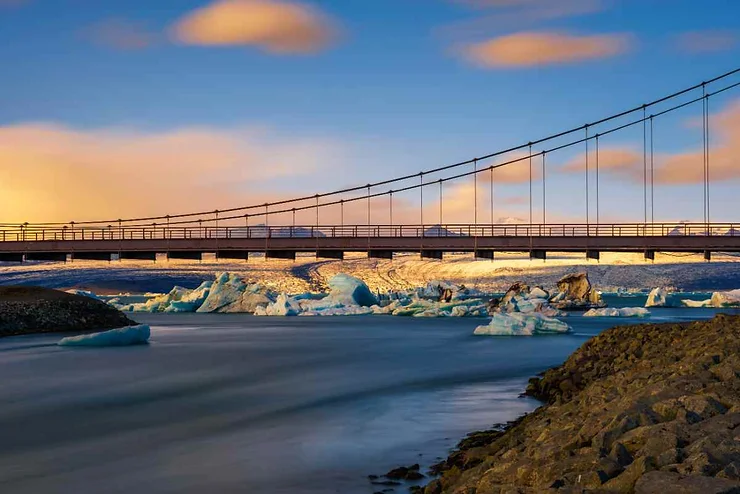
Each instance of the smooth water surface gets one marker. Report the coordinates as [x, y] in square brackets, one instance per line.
[235, 403]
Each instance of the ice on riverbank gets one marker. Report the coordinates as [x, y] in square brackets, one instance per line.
[522, 324]
[130, 335]
[621, 312]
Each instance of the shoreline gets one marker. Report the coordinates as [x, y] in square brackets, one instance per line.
[621, 414]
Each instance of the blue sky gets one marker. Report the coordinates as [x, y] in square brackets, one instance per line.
[390, 94]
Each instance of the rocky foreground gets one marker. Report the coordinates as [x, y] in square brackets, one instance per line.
[30, 310]
[651, 409]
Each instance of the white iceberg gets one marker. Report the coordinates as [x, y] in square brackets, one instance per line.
[621, 312]
[130, 335]
[657, 298]
[696, 303]
[348, 290]
[522, 324]
[178, 299]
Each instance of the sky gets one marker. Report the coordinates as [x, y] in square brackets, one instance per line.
[115, 109]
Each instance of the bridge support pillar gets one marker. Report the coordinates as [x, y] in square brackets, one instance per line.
[649, 255]
[186, 255]
[46, 256]
[707, 255]
[593, 254]
[11, 257]
[138, 256]
[280, 254]
[432, 254]
[538, 254]
[239, 255]
[92, 256]
[330, 254]
[483, 254]
[380, 254]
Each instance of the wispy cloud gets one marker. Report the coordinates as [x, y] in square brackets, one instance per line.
[706, 41]
[530, 49]
[57, 173]
[275, 26]
[121, 34]
[508, 15]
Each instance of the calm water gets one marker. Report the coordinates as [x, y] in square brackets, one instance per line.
[223, 403]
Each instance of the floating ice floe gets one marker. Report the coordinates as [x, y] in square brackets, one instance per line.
[719, 300]
[130, 335]
[621, 312]
[522, 324]
[657, 298]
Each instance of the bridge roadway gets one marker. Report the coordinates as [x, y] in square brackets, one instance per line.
[144, 243]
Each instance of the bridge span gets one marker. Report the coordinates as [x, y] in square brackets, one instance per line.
[379, 241]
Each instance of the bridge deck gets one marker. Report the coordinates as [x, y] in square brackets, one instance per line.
[448, 238]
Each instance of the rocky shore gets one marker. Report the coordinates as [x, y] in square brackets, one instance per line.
[651, 408]
[31, 310]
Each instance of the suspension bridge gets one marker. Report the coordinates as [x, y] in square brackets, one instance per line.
[262, 229]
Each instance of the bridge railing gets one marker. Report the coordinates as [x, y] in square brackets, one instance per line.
[157, 232]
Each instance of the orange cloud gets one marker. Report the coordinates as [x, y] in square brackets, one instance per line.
[677, 168]
[121, 34]
[54, 173]
[275, 26]
[619, 160]
[529, 49]
[706, 41]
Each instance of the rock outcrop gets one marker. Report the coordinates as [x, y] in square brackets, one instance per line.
[29, 310]
[652, 408]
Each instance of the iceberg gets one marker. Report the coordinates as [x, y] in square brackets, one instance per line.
[178, 299]
[521, 298]
[130, 335]
[348, 290]
[622, 312]
[719, 300]
[522, 324]
[575, 292]
[726, 299]
[283, 306]
[657, 298]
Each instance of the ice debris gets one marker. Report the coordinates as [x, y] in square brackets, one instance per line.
[522, 324]
[621, 312]
[130, 335]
